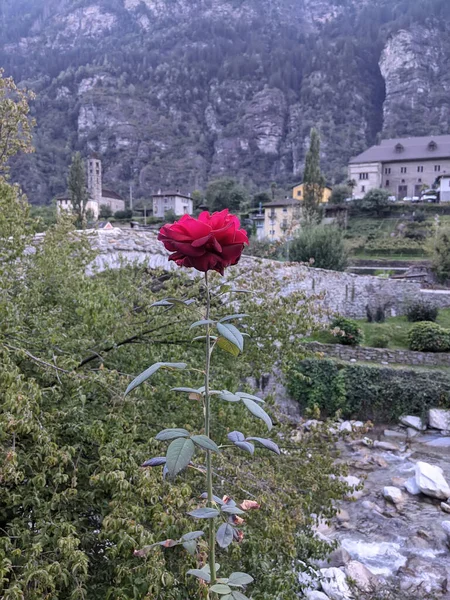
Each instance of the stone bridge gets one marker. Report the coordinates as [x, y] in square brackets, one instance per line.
[344, 293]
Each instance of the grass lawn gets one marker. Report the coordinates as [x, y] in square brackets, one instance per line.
[396, 328]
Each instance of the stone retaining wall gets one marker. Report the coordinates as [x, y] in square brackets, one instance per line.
[344, 293]
[381, 355]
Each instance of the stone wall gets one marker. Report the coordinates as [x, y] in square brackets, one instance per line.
[381, 355]
[344, 293]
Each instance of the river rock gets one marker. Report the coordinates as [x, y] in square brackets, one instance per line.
[430, 480]
[357, 424]
[343, 515]
[443, 442]
[391, 433]
[446, 527]
[439, 418]
[412, 487]
[445, 507]
[393, 494]
[353, 481]
[339, 558]
[412, 433]
[368, 505]
[316, 595]
[334, 584]
[386, 446]
[414, 422]
[364, 579]
[345, 427]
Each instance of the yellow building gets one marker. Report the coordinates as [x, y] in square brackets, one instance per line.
[298, 193]
[281, 218]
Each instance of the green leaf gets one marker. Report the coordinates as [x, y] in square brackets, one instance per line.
[224, 535]
[238, 595]
[266, 443]
[179, 455]
[203, 337]
[207, 569]
[204, 513]
[258, 412]
[239, 316]
[227, 346]
[250, 397]
[232, 510]
[171, 434]
[200, 574]
[193, 535]
[205, 442]
[202, 322]
[172, 302]
[228, 396]
[227, 597]
[220, 588]
[232, 334]
[247, 446]
[240, 579]
[150, 371]
[186, 389]
[190, 546]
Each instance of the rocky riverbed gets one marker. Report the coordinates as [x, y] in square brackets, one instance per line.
[395, 532]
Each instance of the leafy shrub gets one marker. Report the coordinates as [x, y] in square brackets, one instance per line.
[381, 341]
[123, 214]
[419, 216]
[322, 244]
[376, 315]
[429, 337]
[351, 334]
[381, 394]
[440, 254]
[421, 311]
[389, 246]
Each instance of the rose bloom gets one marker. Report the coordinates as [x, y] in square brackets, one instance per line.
[209, 243]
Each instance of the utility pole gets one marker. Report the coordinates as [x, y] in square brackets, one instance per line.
[131, 196]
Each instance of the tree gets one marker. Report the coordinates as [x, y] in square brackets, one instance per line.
[78, 193]
[273, 189]
[261, 198]
[351, 183]
[322, 245]
[439, 248]
[314, 182]
[15, 124]
[226, 193]
[340, 194]
[375, 201]
[105, 211]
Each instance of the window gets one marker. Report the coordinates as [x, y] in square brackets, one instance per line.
[403, 181]
[419, 180]
[299, 192]
[272, 232]
[420, 169]
[399, 148]
[387, 171]
[284, 209]
[403, 170]
[363, 188]
[272, 214]
[432, 146]
[437, 168]
[364, 176]
[387, 182]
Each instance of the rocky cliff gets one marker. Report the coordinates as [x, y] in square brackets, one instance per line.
[176, 92]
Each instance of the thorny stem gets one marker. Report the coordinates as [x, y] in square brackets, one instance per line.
[209, 474]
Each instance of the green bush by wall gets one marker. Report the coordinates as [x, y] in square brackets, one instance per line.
[429, 337]
[381, 394]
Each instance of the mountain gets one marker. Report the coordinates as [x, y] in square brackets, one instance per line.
[178, 92]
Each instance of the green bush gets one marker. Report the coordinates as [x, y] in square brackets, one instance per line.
[429, 337]
[123, 214]
[351, 334]
[323, 245]
[421, 311]
[381, 341]
[387, 246]
[381, 394]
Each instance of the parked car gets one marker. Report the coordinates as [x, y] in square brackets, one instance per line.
[429, 198]
[411, 199]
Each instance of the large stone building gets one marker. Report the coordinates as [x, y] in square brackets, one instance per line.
[281, 218]
[181, 204]
[403, 166]
[98, 195]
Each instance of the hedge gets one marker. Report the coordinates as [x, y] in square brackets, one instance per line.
[381, 394]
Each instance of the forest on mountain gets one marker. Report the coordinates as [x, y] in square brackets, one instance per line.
[178, 93]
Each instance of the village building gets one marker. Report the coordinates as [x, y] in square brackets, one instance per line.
[98, 195]
[281, 218]
[402, 166]
[176, 201]
[298, 193]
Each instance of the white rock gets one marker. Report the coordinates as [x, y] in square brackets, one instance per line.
[393, 494]
[390, 433]
[445, 507]
[439, 418]
[431, 482]
[414, 422]
[346, 426]
[443, 442]
[316, 596]
[368, 505]
[353, 481]
[412, 487]
[357, 424]
[334, 584]
[445, 527]
[364, 579]
[386, 446]
[309, 580]
[412, 433]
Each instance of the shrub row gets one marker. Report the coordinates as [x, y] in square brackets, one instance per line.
[381, 394]
[429, 337]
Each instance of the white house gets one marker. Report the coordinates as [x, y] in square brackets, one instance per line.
[180, 203]
[444, 187]
[98, 195]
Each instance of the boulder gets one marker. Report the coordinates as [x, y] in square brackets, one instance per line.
[345, 427]
[446, 527]
[391, 433]
[334, 584]
[412, 433]
[364, 579]
[342, 516]
[353, 481]
[386, 446]
[414, 422]
[412, 487]
[315, 595]
[442, 442]
[393, 494]
[431, 482]
[438, 418]
[445, 507]
[339, 558]
[368, 505]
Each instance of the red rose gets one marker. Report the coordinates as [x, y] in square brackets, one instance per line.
[209, 243]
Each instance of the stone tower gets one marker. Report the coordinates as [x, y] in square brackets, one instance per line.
[95, 179]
